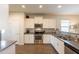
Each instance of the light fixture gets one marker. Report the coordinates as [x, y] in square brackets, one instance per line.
[59, 6]
[23, 6]
[40, 6]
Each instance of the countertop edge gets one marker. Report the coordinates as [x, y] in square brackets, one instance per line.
[8, 46]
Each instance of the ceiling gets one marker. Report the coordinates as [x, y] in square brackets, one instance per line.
[47, 8]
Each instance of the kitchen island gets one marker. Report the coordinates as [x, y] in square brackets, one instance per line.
[7, 47]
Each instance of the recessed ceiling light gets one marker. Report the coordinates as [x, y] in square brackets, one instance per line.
[59, 6]
[40, 6]
[23, 6]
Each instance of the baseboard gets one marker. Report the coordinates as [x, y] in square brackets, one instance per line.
[37, 44]
[20, 44]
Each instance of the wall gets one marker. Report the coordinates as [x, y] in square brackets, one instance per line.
[16, 23]
[74, 19]
[4, 14]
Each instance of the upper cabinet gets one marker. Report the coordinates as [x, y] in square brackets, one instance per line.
[29, 23]
[47, 23]
[38, 20]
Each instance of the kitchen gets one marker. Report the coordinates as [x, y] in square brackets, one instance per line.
[49, 25]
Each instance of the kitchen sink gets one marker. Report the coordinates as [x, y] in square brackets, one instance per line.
[65, 38]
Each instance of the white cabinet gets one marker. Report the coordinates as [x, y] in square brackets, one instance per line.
[58, 45]
[49, 23]
[38, 20]
[29, 38]
[29, 23]
[46, 38]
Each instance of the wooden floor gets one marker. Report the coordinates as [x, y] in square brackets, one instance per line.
[35, 49]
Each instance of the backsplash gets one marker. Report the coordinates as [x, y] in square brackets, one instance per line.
[46, 30]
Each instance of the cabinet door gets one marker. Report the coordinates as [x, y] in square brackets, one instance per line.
[46, 38]
[58, 45]
[29, 38]
[49, 23]
[38, 20]
[29, 23]
[52, 40]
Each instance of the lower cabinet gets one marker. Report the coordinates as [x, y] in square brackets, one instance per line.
[58, 45]
[46, 38]
[29, 38]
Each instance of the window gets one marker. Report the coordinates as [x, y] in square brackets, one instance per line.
[65, 24]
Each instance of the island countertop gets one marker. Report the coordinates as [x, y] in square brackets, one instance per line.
[5, 44]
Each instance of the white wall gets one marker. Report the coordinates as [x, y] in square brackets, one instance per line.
[4, 14]
[16, 23]
[74, 19]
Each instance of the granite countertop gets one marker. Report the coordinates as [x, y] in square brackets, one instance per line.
[72, 45]
[40, 33]
[44, 31]
[5, 44]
